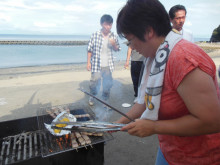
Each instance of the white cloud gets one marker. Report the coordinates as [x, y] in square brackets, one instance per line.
[82, 16]
[188, 24]
[75, 8]
[43, 24]
[48, 6]
[73, 14]
[4, 17]
[204, 17]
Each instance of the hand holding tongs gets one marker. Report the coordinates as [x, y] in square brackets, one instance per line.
[90, 126]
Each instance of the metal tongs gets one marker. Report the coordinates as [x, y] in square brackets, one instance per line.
[107, 104]
[89, 126]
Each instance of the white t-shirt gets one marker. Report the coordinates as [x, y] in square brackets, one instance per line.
[105, 53]
[187, 35]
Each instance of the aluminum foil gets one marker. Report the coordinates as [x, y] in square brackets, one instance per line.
[59, 118]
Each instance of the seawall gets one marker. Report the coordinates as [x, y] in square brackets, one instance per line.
[31, 42]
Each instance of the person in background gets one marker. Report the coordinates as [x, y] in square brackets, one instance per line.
[100, 58]
[136, 65]
[177, 16]
[178, 96]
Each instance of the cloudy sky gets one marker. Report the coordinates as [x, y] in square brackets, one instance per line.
[82, 16]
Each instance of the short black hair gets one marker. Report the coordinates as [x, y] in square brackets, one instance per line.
[174, 9]
[139, 15]
[106, 18]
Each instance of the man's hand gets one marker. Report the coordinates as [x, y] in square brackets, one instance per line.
[126, 66]
[89, 55]
[113, 43]
[88, 66]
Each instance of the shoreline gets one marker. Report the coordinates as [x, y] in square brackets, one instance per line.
[212, 49]
[24, 71]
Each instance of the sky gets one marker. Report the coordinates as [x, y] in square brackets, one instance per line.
[70, 17]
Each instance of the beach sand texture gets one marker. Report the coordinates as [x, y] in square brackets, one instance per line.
[23, 90]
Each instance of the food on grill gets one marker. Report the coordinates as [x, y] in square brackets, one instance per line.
[21, 145]
[73, 141]
[93, 133]
[65, 119]
[61, 114]
[67, 110]
[60, 109]
[83, 115]
[57, 130]
[86, 138]
[61, 117]
[51, 114]
[80, 139]
[56, 111]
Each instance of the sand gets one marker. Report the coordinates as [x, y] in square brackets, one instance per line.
[24, 90]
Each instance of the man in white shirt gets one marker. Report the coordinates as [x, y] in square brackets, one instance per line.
[101, 45]
[177, 16]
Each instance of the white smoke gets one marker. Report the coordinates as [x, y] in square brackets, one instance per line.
[102, 113]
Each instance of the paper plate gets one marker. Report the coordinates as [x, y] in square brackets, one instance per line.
[126, 105]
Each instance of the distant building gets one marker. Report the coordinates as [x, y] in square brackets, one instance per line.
[215, 35]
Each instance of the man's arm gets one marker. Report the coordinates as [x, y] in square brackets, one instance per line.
[128, 57]
[89, 55]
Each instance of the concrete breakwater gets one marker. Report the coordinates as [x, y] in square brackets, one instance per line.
[31, 42]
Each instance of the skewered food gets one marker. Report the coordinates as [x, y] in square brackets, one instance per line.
[86, 138]
[73, 141]
[93, 133]
[51, 113]
[80, 139]
[83, 115]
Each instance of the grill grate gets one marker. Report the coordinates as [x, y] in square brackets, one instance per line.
[32, 144]
[20, 147]
[57, 145]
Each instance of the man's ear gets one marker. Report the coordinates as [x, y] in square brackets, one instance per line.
[149, 34]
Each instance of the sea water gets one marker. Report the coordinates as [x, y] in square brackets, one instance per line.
[36, 55]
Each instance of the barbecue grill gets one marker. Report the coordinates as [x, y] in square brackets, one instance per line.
[27, 141]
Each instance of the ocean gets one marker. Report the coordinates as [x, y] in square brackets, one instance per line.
[37, 55]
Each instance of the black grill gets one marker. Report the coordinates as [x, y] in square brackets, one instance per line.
[28, 141]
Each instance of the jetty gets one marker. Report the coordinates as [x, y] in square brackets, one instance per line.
[36, 42]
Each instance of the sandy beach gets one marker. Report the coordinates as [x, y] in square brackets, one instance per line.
[24, 90]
